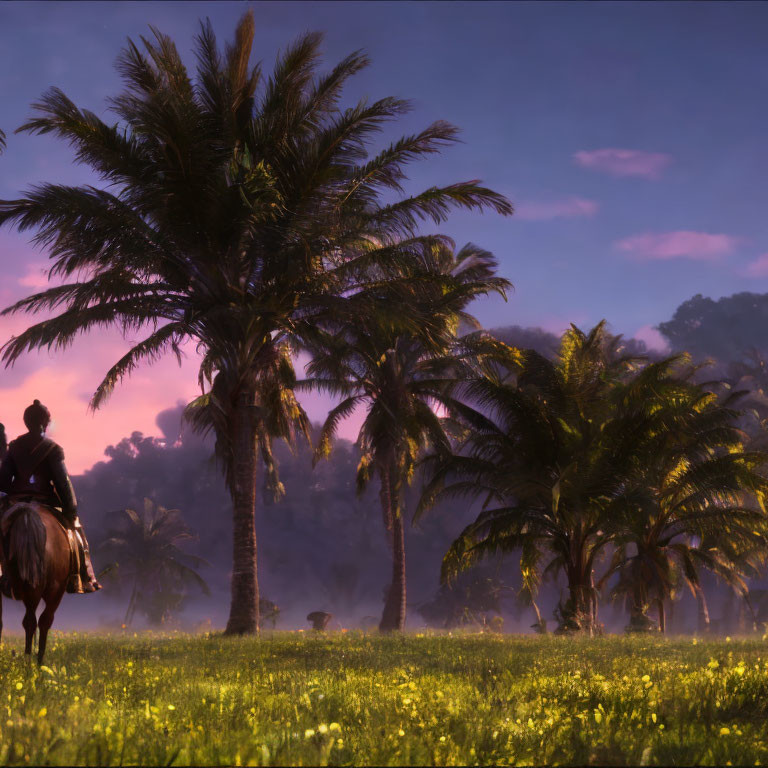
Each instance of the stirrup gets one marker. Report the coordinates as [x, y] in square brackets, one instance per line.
[75, 585]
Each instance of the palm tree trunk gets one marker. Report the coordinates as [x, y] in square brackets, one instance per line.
[752, 614]
[244, 609]
[580, 598]
[393, 616]
[703, 615]
[131, 604]
[638, 600]
[662, 616]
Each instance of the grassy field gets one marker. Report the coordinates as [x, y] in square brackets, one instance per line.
[292, 698]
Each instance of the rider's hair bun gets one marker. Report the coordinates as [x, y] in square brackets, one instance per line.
[37, 415]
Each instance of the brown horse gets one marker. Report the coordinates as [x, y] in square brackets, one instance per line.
[38, 558]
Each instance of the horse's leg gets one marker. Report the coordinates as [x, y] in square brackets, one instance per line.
[45, 622]
[29, 622]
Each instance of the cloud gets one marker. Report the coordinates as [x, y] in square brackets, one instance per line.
[652, 338]
[683, 244]
[65, 381]
[568, 208]
[624, 162]
[756, 268]
[60, 384]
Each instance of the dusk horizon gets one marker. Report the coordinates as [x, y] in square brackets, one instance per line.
[633, 186]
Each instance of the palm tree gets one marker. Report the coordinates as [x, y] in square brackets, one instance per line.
[664, 557]
[692, 503]
[402, 375]
[589, 452]
[145, 546]
[2, 142]
[546, 456]
[240, 213]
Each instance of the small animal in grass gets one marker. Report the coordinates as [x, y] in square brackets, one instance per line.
[320, 620]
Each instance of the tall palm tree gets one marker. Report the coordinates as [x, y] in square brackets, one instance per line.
[239, 212]
[546, 457]
[403, 375]
[2, 142]
[146, 548]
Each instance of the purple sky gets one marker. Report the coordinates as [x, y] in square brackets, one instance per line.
[629, 136]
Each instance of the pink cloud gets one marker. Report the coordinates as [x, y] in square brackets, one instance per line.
[756, 268]
[624, 162]
[652, 338]
[65, 381]
[568, 208]
[699, 246]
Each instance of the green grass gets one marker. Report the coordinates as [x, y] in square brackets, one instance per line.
[350, 699]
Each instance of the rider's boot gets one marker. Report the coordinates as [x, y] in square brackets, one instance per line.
[87, 575]
[75, 583]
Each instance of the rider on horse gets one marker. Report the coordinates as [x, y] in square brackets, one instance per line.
[33, 471]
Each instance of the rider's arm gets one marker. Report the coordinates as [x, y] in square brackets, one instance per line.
[63, 484]
[7, 472]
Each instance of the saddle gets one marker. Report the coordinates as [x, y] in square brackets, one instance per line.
[10, 511]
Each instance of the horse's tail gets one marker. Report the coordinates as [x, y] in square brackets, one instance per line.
[26, 550]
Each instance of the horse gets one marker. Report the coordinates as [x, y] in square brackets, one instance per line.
[38, 561]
